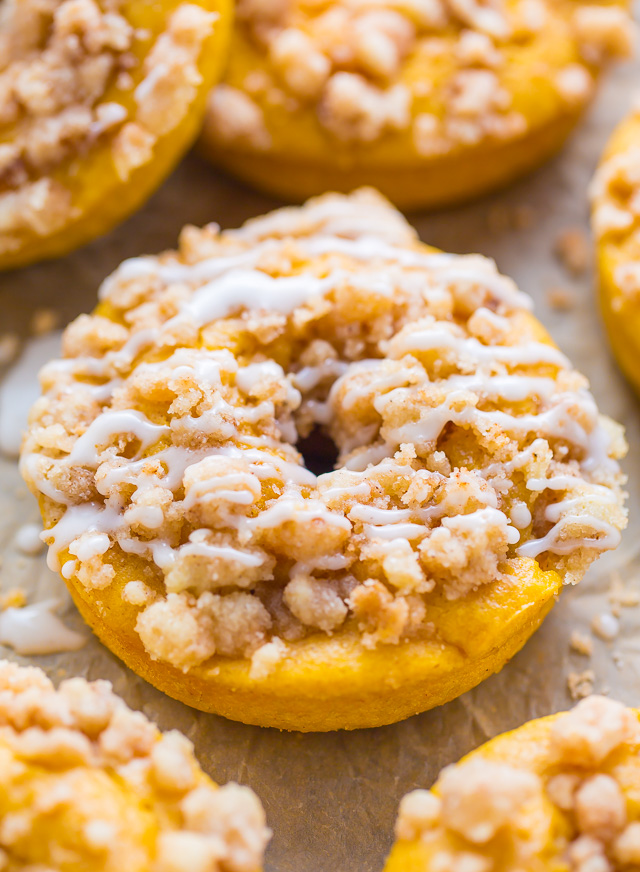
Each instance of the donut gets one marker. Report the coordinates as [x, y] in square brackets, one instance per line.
[87, 785]
[558, 794]
[98, 101]
[173, 452]
[431, 102]
[615, 194]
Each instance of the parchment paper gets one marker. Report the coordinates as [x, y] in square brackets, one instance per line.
[331, 799]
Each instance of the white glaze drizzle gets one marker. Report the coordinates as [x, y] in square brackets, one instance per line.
[233, 284]
[36, 629]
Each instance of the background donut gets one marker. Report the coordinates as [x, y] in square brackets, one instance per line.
[432, 103]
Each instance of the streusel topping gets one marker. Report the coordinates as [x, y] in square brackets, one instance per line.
[88, 783]
[70, 80]
[568, 801]
[615, 194]
[467, 447]
[441, 70]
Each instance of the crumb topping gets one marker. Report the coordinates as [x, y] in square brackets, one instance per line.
[467, 446]
[88, 783]
[569, 800]
[615, 196]
[67, 69]
[440, 71]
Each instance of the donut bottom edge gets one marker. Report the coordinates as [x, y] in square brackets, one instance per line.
[429, 184]
[330, 683]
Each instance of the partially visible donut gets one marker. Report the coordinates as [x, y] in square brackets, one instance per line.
[87, 785]
[431, 101]
[99, 99]
[615, 193]
[558, 794]
[474, 473]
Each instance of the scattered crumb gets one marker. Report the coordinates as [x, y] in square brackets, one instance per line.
[561, 299]
[620, 596]
[14, 598]
[606, 626]
[580, 684]
[618, 659]
[572, 250]
[44, 321]
[523, 217]
[9, 346]
[501, 218]
[581, 643]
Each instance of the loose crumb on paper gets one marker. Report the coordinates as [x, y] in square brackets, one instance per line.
[9, 347]
[580, 684]
[44, 321]
[573, 250]
[581, 643]
[621, 596]
[561, 299]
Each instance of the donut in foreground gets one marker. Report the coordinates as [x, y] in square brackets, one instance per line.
[615, 195]
[99, 99]
[87, 785]
[431, 102]
[559, 793]
[474, 474]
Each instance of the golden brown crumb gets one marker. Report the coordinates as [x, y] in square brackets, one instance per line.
[621, 596]
[581, 643]
[581, 684]
[561, 299]
[43, 321]
[573, 250]
[14, 598]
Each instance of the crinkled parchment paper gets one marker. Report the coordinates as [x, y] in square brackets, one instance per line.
[331, 799]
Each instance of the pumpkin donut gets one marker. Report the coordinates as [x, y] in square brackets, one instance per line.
[616, 224]
[87, 785]
[474, 474]
[431, 102]
[559, 794]
[98, 101]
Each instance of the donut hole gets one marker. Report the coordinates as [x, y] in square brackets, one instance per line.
[319, 451]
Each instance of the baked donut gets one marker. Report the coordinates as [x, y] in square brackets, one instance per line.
[558, 794]
[616, 224]
[474, 474]
[98, 101]
[87, 785]
[431, 102]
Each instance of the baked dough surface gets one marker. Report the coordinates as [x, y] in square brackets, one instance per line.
[474, 473]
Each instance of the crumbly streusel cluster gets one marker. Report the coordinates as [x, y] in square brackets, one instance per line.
[361, 66]
[615, 193]
[570, 800]
[86, 781]
[467, 446]
[66, 68]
